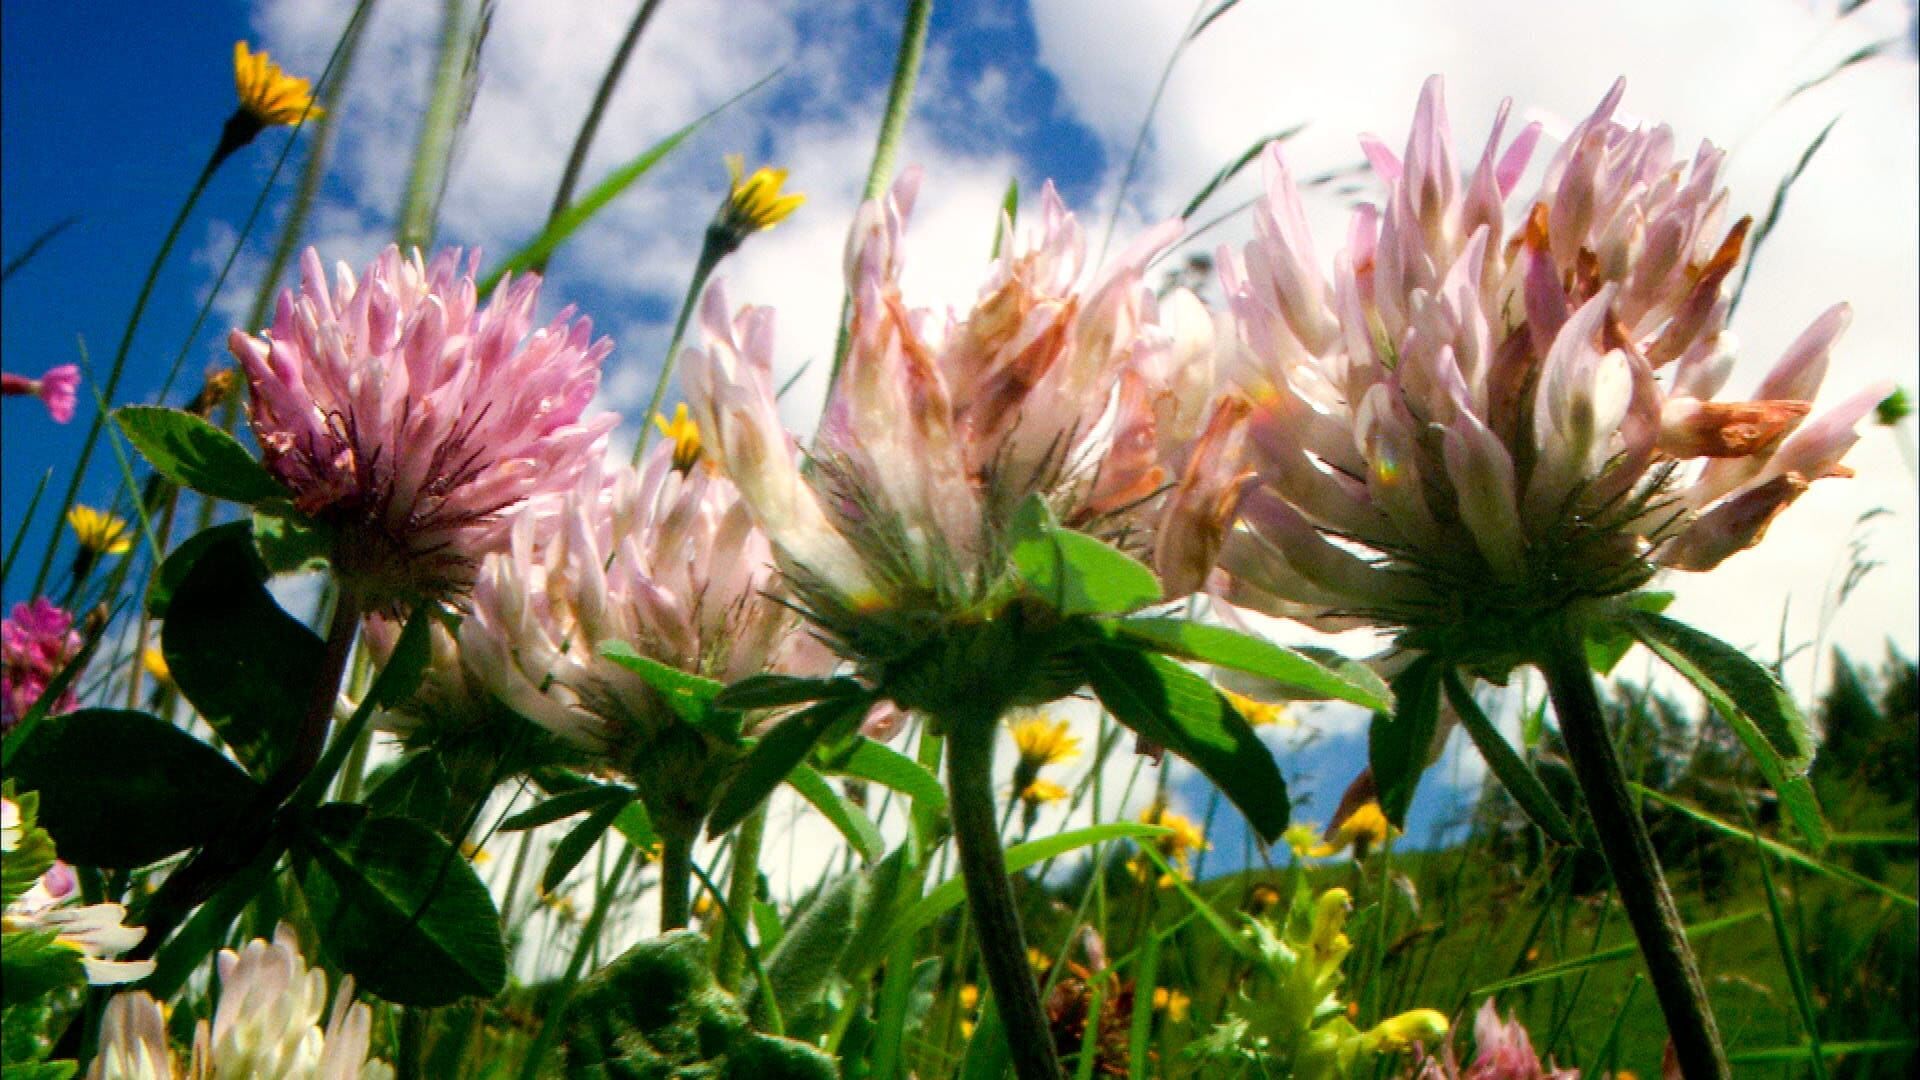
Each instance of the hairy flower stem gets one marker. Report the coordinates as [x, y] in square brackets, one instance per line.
[742, 889]
[1630, 856]
[1003, 946]
[676, 876]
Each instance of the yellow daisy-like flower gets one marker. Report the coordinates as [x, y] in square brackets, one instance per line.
[755, 202]
[1172, 1002]
[1260, 713]
[685, 435]
[1043, 741]
[1039, 961]
[1186, 836]
[969, 997]
[155, 663]
[1365, 827]
[268, 94]
[1042, 792]
[99, 532]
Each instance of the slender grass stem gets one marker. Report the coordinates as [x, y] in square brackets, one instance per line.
[893, 124]
[434, 155]
[983, 866]
[1630, 856]
[120, 354]
[589, 934]
[742, 890]
[590, 126]
[712, 250]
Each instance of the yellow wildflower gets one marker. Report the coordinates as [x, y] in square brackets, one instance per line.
[969, 997]
[1330, 913]
[474, 853]
[1043, 741]
[685, 435]
[1040, 962]
[1302, 837]
[1365, 827]
[1400, 1032]
[1260, 713]
[267, 94]
[99, 532]
[155, 663]
[755, 202]
[1172, 1002]
[1041, 792]
[560, 904]
[1185, 836]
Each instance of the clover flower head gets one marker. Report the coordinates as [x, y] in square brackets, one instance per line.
[36, 641]
[663, 559]
[268, 1023]
[1475, 420]
[398, 410]
[1094, 397]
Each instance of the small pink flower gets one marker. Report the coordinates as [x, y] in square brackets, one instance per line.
[58, 389]
[396, 409]
[1502, 1051]
[36, 642]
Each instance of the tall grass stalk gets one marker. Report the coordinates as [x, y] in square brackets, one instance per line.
[893, 125]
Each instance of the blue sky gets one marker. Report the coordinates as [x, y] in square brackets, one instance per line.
[110, 108]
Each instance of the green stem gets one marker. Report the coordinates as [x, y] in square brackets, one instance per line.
[512, 892]
[990, 899]
[433, 156]
[120, 357]
[896, 986]
[712, 251]
[577, 159]
[742, 890]
[589, 934]
[676, 876]
[893, 124]
[1631, 858]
